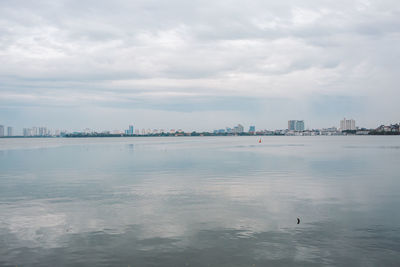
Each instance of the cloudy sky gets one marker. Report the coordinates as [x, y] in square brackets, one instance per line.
[198, 65]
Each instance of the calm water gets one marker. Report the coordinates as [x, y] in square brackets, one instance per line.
[221, 201]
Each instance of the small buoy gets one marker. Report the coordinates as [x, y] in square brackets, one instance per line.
[298, 221]
[259, 140]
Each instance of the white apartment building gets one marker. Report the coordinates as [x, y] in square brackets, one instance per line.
[347, 124]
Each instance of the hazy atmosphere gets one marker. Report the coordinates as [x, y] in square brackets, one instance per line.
[198, 64]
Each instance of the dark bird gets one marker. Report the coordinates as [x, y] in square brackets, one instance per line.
[298, 221]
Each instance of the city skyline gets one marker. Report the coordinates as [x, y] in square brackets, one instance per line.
[122, 126]
[296, 125]
[131, 130]
[347, 126]
[75, 64]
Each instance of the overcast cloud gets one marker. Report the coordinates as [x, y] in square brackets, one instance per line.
[198, 64]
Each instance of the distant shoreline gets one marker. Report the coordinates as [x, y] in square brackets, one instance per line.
[209, 135]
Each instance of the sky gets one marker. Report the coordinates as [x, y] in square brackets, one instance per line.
[198, 65]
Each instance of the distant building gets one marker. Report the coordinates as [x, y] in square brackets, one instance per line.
[42, 131]
[34, 131]
[347, 124]
[130, 130]
[26, 132]
[291, 125]
[116, 132]
[219, 131]
[87, 131]
[10, 131]
[239, 128]
[296, 125]
[299, 125]
[388, 128]
[1, 130]
[252, 129]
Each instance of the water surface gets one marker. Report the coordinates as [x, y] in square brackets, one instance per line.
[200, 201]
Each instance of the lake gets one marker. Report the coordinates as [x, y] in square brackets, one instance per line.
[200, 201]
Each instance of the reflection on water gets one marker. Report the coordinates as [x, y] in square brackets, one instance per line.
[226, 201]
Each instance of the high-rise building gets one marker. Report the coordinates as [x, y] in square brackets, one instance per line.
[1, 130]
[295, 125]
[42, 131]
[299, 125]
[9, 131]
[252, 129]
[347, 124]
[131, 130]
[34, 131]
[240, 128]
[291, 125]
